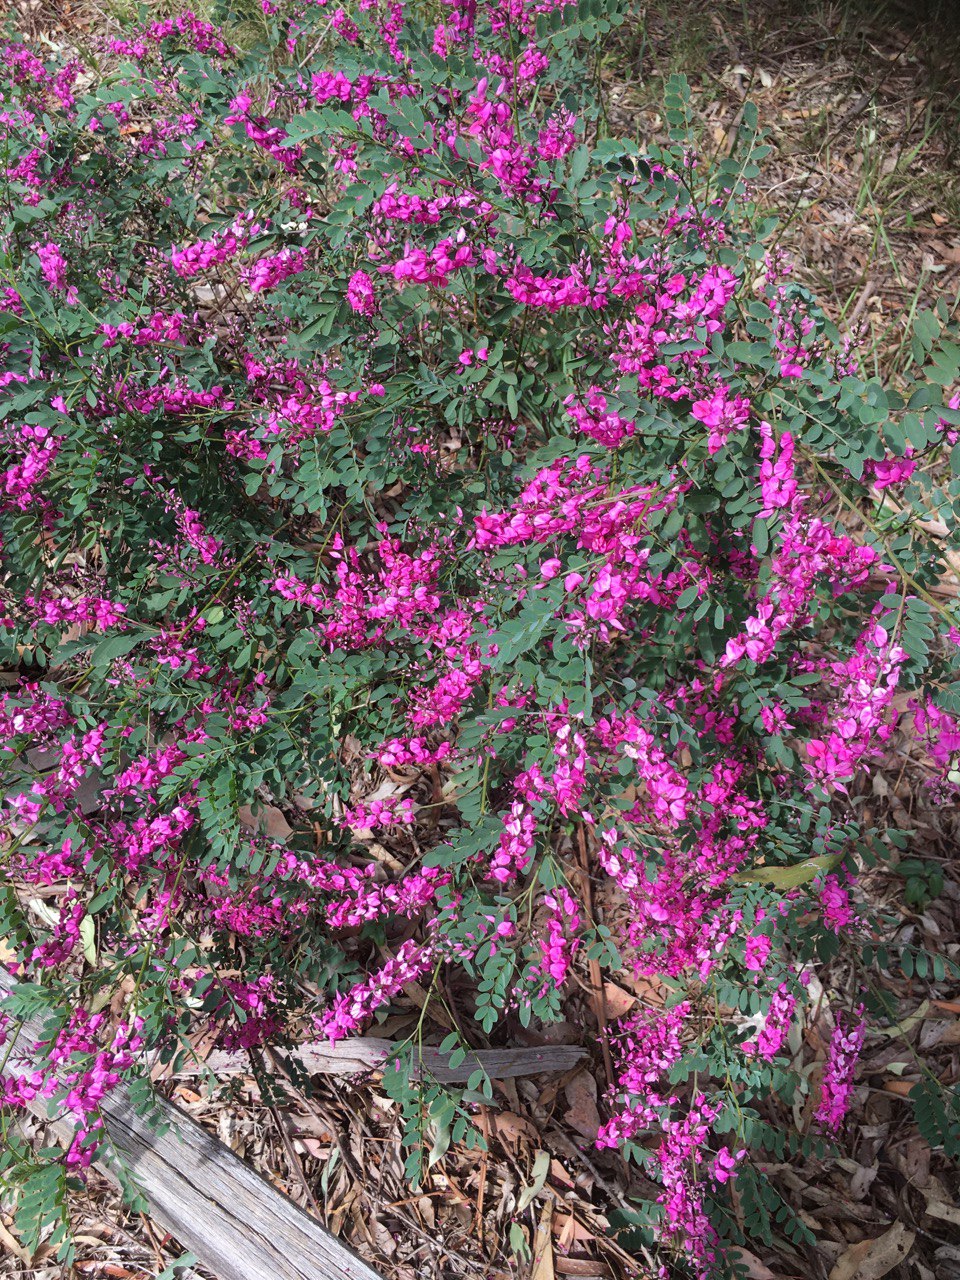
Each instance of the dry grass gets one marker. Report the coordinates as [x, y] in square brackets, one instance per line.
[863, 117]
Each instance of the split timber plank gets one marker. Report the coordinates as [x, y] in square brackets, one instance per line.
[367, 1053]
[237, 1224]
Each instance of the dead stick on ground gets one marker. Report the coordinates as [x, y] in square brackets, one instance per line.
[869, 289]
[281, 1122]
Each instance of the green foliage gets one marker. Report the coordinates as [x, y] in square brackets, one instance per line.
[263, 661]
[937, 1113]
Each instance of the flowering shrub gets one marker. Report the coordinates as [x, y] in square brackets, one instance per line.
[389, 446]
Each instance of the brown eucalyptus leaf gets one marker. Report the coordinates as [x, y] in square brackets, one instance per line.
[873, 1259]
[581, 1095]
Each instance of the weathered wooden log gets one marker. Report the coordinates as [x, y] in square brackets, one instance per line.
[237, 1224]
[366, 1053]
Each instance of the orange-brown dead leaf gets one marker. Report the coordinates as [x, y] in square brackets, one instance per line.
[570, 1231]
[619, 1001]
[582, 1113]
[512, 1130]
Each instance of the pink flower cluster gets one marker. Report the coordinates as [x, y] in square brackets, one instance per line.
[837, 1085]
[76, 1073]
[219, 248]
[862, 718]
[271, 270]
[649, 1044]
[809, 551]
[353, 1010]
[771, 1037]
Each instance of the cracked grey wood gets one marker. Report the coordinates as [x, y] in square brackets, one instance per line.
[237, 1223]
[366, 1053]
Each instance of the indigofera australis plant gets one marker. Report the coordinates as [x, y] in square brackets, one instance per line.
[387, 441]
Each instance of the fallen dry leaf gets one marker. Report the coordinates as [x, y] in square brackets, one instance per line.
[756, 1270]
[268, 819]
[105, 1269]
[861, 1180]
[571, 1231]
[312, 1147]
[12, 1244]
[542, 1268]
[512, 1130]
[619, 1002]
[415, 992]
[581, 1095]
[872, 1259]
[945, 1212]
